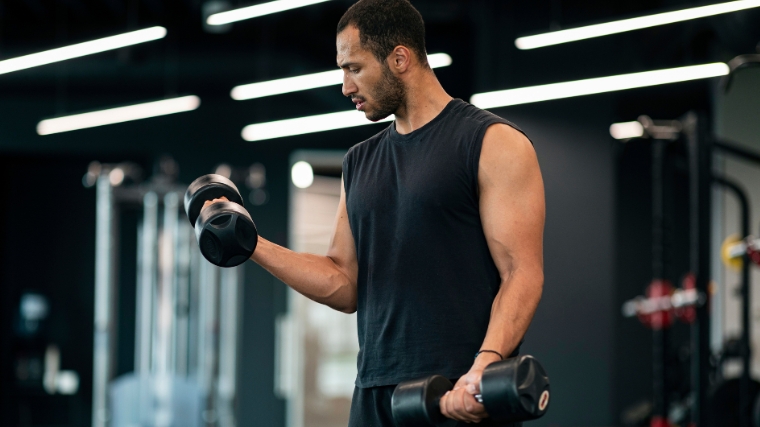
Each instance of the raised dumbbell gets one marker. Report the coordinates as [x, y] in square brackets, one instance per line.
[513, 390]
[225, 231]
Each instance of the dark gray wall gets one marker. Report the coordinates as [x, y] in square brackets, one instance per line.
[572, 332]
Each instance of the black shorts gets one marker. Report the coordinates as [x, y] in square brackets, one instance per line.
[371, 407]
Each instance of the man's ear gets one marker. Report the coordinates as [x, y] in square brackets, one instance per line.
[400, 59]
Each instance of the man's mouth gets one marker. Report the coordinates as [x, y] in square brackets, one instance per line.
[359, 104]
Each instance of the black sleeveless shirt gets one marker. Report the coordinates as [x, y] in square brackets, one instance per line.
[426, 278]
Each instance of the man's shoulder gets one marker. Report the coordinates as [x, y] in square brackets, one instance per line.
[481, 117]
[463, 110]
[476, 115]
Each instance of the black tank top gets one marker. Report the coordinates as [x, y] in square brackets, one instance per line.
[426, 278]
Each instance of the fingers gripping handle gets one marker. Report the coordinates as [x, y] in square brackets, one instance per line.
[209, 187]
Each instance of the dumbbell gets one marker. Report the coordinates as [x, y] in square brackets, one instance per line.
[225, 231]
[513, 390]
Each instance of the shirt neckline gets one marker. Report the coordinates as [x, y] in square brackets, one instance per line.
[395, 136]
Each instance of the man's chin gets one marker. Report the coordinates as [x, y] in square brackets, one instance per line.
[375, 117]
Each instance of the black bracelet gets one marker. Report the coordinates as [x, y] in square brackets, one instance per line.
[489, 351]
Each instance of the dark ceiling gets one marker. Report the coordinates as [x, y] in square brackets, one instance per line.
[478, 34]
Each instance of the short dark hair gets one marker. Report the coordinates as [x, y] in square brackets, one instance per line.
[385, 24]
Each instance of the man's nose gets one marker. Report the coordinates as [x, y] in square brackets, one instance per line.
[348, 86]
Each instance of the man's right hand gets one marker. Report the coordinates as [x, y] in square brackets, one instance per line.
[208, 203]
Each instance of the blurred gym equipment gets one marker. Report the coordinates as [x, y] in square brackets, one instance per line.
[187, 311]
[712, 400]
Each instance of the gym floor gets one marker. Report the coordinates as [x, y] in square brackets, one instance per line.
[96, 251]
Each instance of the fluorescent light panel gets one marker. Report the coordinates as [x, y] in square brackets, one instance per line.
[626, 130]
[118, 115]
[304, 125]
[257, 10]
[310, 81]
[615, 27]
[547, 92]
[81, 49]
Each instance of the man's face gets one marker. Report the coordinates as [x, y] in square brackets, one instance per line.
[368, 82]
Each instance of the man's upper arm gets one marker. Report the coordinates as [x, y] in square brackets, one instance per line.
[342, 248]
[512, 206]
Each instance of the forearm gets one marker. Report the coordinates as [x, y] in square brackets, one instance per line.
[512, 311]
[319, 278]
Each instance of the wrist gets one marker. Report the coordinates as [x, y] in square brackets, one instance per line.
[485, 358]
[262, 246]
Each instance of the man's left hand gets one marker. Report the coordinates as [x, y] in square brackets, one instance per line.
[460, 403]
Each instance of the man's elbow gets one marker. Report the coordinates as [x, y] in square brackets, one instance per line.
[349, 302]
[349, 309]
[344, 297]
[347, 306]
[538, 279]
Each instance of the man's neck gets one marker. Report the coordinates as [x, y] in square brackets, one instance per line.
[424, 101]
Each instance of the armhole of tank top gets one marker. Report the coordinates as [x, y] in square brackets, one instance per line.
[344, 173]
[477, 148]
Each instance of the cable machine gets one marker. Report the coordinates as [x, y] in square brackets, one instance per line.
[187, 310]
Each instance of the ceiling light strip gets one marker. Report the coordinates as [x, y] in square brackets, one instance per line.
[304, 125]
[310, 81]
[547, 92]
[81, 49]
[286, 85]
[623, 25]
[118, 115]
[257, 10]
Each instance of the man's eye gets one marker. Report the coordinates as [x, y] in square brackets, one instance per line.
[354, 70]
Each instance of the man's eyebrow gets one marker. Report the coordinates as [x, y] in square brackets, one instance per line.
[346, 64]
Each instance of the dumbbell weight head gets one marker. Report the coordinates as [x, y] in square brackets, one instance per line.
[516, 389]
[209, 187]
[226, 234]
[225, 231]
[417, 402]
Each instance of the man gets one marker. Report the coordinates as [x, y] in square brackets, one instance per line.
[438, 236]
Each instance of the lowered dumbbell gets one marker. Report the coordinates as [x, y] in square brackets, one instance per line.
[513, 390]
[225, 231]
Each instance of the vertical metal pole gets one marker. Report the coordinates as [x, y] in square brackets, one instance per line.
[659, 331]
[658, 209]
[182, 296]
[165, 314]
[146, 280]
[745, 407]
[700, 177]
[168, 276]
[196, 280]
[229, 294]
[208, 338]
[745, 403]
[103, 284]
[297, 359]
[717, 299]
[294, 336]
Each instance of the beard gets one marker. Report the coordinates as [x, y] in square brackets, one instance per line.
[389, 95]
